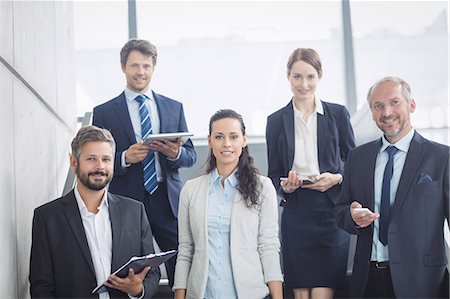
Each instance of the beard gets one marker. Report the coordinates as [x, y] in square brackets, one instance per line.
[395, 131]
[95, 185]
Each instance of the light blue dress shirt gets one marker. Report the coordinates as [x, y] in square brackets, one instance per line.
[135, 117]
[380, 253]
[220, 282]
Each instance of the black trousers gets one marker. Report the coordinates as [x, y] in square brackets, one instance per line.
[164, 225]
[379, 283]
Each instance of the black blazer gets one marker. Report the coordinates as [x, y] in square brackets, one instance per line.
[61, 265]
[417, 254]
[334, 140]
[114, 116]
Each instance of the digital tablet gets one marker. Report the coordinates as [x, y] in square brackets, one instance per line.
[304, 181]
[168, 136]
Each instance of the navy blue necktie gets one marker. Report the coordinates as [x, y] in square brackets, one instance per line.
[385, 208]
[150, 179]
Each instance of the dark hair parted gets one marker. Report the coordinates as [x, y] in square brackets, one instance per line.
[141, 45]
[247, 174]
[310, 56]
[91, 134]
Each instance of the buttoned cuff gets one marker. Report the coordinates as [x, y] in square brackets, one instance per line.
[177, 157]
[122, 161]
[140, 297]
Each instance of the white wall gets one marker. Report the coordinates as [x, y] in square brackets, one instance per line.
[37, 123]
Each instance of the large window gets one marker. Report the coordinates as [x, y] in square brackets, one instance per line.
[233, 54]
[212, 54]
[101, 29]
[408, 39]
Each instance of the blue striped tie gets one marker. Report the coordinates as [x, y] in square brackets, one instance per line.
[150, 179]
[385, 207]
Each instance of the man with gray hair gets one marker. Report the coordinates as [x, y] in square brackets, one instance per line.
[395, 198]
[82, 237]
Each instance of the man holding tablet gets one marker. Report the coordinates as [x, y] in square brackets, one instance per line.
[148, 171]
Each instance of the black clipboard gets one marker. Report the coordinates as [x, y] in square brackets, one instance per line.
[138, 263]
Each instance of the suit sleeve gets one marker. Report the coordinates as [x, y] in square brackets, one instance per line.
[186, 242]
[275, 166]
[268, 240]
[151, 281]
[344, 218]
[41, 274]
[346, 135]
[446, 190]
[188, 156]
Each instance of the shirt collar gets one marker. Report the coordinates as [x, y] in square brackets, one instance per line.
[131, 95]
[319, 107]
[402, 144]
[215, 178]
[82, 207]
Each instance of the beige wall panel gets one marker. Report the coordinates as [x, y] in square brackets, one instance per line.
[36, 42]
[35, 170]
[34, 46]
[8, 257]
[6, 31]
[65, 68]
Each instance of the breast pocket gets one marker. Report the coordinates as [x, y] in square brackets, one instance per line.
[428, 190]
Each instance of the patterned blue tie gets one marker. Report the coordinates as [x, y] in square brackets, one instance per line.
[150, 179]
[385, 208]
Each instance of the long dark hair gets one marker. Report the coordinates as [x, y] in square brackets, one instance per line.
[247, 173]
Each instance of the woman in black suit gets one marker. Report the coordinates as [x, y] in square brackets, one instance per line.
[307, 144]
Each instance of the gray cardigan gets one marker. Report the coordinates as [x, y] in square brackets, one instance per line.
[255, 246]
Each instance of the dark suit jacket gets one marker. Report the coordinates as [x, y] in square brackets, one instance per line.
[114, 116]
[334, 140]
[61, 265]
[416, 239]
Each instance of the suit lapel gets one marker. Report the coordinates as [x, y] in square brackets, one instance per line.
[288, 124]
[161, 106]
[121, 109]
[412, 162]
[322, 133]
[116, 227]
[73, 216]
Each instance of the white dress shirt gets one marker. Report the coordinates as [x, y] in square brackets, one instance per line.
[306, 161]
[380, 252]
[99, 237]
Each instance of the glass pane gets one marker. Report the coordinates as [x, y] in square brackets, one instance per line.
[408, 39]
[101, 29]
[233, 54]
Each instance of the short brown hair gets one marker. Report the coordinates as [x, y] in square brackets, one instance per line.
[307, 55]
[91, 134]
[141, 45]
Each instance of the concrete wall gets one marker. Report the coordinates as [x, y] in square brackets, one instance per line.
[37, 123]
